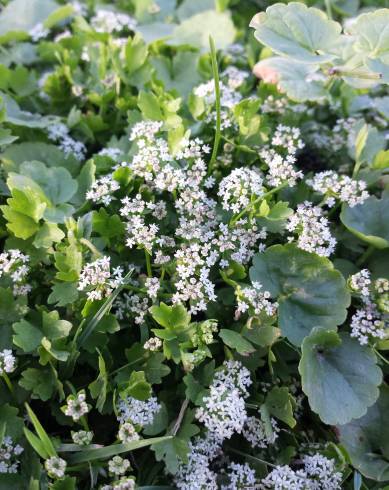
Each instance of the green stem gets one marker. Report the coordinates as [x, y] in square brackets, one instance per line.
[381, 357]
[8, 382]
[148, 264]
[253, 458]
[218, 109]
[328, 8]
[91, 247]
[362, 259]
[256, 201]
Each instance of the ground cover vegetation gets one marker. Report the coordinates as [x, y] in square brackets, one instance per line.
[194, 218]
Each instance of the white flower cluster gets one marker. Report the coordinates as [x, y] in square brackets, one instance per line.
[239, 188]
[98, 280]
[240, 476]
[342, 187]
[196, 474]
[235, 77]
[13, 265]
[55, 467]
[132, 305]
[229, 97]
[153, 344]
[102, 189]
[9, 452]
[118, 466]
[108, 21]
[38, 32]
[122, 484]
[127, 433]
[360, 282]
[7, 361]
[256, 299]
[112, 153]
[312, 229]
[319, 473]
[60, 133]
[254, 432]
[82, 437]
[138, 412]
[280, 155]
[76, 406]
[223, 411]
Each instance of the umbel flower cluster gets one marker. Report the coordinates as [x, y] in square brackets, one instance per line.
[194, 277]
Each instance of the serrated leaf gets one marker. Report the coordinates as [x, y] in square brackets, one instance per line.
[236, 341]
[339, 376]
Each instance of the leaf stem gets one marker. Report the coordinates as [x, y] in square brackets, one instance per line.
[91, 247]
[328, 8]
[362, 259]
[215, 72]
[181, 414]
[8, 382]
[148, 264]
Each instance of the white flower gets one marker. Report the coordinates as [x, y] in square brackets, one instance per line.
[13, 265]
[127, 433]
[255, 433]
[366, 323]
[322, 471]
[237, 189]
[138, 412]
[342, 187]
[102, 189]
[312, 229]
[7, 361]
[256, 299]
[153, 344]
[360, 282]
[240, 476]
[55, 467]
[98, 280]
[9, 462]
[235, 77]
[223, 411]
[76, 406]
[118, 466]
[152, 285]
[82, 437]
[38, 32]
[109, 21]
[60, 133]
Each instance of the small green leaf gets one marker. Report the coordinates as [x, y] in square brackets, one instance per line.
[236, 341]
[279, 404]
[171, 317]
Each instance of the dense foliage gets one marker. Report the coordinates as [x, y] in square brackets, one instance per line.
[194, 283]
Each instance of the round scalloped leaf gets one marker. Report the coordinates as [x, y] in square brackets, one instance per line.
[294, 30]
[300, 81]
[369, 221]
[310, 292]
[371, 33]
[339, 376]
[367, 439]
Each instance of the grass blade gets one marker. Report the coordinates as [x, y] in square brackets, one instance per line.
[36, 443]
[113, 450]
[92, 324]
[42, 434]
[215, 72]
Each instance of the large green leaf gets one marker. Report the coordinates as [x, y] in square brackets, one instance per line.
[339, 376]
[196, 30]
[310, 292]
[369, 221]
[371, 34]
[15, 115]
[19, 16]
[294, 30]
[367, 439]
[299, 80]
